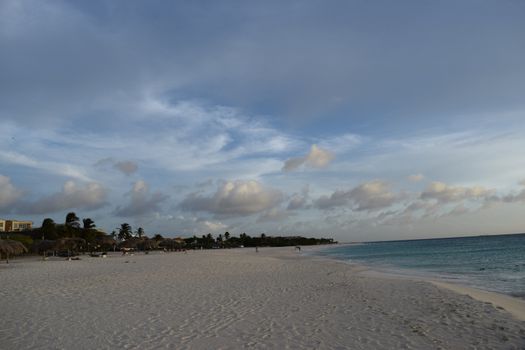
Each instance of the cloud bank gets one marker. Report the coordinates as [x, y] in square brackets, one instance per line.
[141, 201]
[445, 193]
[72, 196]
[234, 198]
[9, 194]
[368, 196]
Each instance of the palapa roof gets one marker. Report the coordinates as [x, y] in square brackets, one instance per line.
[9, 246]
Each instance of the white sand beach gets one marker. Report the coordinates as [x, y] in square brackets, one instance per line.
[232, 299]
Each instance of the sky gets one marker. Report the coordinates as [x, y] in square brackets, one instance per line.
[356, 120]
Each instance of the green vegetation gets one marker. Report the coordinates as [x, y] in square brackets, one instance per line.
[244, 240]
[74, 237]
[125, 232]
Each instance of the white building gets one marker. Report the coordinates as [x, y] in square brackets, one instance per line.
[15, 225]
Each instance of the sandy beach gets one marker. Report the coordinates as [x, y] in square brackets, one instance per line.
[231, 299]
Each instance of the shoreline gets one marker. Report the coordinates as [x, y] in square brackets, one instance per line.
[513, 305]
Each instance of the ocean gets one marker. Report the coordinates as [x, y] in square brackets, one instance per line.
[492, 263]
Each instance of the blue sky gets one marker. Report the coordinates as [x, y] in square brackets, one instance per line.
[356, 120]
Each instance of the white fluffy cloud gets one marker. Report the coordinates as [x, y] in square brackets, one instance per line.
[445, 193]
[373, 195]
[9, 194]
[141, 201]
[234, 198]
[316, 158]
[213, 226]
[367, 196]
[88, 197]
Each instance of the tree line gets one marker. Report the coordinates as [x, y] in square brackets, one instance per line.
[244, 240]
[124, 236]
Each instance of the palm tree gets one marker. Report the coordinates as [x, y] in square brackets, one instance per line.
[125, 232]
[72, 224]
[48, 229]
[209, 240]
[227, 235]
[140, 232]
[158, 237]
[88, 223]
[243, 237]
[72, 220]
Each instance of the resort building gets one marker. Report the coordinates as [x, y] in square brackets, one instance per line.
[15, 225]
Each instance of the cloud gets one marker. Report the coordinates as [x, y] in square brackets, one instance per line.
[223, 62]
[88, 197]
[316, 158]
[52, 167]
[141, 201]
[373, 195]
[510, 197]
[368, 196]
[9, 194]
[342, 143]
[213, 226]
[127, 167]
[234, 198]
[458, 210]
[293, 163]
[416, 177]
[299, 200]
[336, 199]
[444, 193]
[273, 215]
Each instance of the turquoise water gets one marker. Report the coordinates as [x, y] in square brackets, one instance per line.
[493, 263]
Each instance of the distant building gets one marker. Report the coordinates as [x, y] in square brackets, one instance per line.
[15, 225]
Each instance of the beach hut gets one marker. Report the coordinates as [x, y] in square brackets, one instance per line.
[11, 247]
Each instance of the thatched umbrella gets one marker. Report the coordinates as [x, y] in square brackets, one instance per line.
[9, 246]
[173, 243]
[106, 241]
[130, 243]
[166, 243]
[69, 244]
[148, 244]
[180, 241]
[45, 246]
